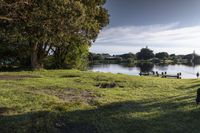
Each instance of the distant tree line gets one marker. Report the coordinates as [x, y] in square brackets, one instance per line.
[145, 55]
[107, 58]
[49, 33]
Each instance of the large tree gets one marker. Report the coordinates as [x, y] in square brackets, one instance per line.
[46, 26]
[145, 54]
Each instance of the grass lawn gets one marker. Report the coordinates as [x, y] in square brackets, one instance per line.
[71, 101]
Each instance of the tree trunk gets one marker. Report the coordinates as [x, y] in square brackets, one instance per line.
[34, 57]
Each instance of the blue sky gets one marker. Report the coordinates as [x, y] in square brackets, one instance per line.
[164, 25]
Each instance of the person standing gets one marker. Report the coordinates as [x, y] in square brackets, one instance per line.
[197, 74]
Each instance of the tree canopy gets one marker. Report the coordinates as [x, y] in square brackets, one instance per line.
[145, 54]
[51, 27]
[128, 56]
[162, 55]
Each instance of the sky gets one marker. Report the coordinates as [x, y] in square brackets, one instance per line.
[171, 26]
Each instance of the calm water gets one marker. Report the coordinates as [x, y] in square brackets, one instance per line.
[188, 72]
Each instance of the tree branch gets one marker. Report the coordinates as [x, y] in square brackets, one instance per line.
[5, 18]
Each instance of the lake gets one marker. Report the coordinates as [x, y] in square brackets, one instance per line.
[187, 71]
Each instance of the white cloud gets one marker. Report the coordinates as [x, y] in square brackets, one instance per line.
[168, 36]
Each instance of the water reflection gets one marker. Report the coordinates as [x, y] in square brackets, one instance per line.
[145, 67]
[187, 70]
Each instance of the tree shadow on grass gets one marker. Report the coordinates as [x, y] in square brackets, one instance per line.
[17, 69]
[121, 117]
[191, 86]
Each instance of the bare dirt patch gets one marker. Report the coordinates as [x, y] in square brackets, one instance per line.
[68, 94]
[16, 77]
[72, 95]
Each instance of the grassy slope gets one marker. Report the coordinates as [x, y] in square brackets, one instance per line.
[70, 101]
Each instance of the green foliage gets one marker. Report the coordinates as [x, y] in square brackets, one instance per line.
[93, 56]
[13, 55]
[127, 56]
[145, 54]
[162, 55]
[7, 55]
[47, 25]
[106, 58]
[77, 57]
[49, 62]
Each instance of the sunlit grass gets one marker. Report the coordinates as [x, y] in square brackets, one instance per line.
[73, 101]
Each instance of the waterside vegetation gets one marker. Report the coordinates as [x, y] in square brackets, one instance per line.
[145, 55]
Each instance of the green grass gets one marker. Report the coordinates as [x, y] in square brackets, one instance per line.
[71, 101]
